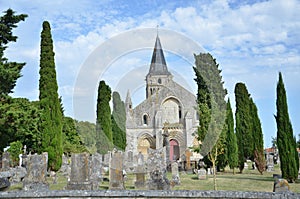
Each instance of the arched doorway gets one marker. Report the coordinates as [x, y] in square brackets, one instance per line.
[144, 142]
[174, 150]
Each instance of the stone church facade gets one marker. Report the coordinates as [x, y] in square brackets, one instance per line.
[167, 117]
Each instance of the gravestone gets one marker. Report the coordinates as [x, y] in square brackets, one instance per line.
[281, 185]
[175, 174]
[140, 177]
[116, 180]
[5, 161]
[188, 159]
[202, 174]
[35, 178]
[157, 168]
[4, 184]
[270, 163]
[96, 170]
[80, 172]
[140, 159]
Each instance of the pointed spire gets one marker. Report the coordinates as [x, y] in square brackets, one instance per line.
[158, 63]
[128, 100]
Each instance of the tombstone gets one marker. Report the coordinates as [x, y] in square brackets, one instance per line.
[246, 165]
[80, 172]
[18, 173]
[20, 160]
[175, 174]
[64, 165]
[106, 159]
[4, 184]
[140, 159]
[183, 161]
[35, 178]
[188, 159]
[140, 177]
[96, 170]
[270, 163]
[116, 180]
[157, 168]
[202, 174]
[281, 185]
[5, 161]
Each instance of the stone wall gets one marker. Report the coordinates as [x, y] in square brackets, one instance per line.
[146, 194]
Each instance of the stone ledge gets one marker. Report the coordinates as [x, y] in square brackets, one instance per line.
[146, 194]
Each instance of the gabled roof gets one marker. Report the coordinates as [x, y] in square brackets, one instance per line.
[158, 63]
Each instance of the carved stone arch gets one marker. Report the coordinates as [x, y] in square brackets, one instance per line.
[172, 109]
[144, 141]
[177, 134]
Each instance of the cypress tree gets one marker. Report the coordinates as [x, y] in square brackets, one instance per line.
[104, 139]
[51, 119]
[232, 147]
[211, 100]
[118, 122]
[9, 71]
[289, 160]
[258, 140]
[243, 124]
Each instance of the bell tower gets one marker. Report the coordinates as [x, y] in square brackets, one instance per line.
[158, 74]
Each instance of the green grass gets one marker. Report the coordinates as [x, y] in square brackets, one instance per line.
[249, 180]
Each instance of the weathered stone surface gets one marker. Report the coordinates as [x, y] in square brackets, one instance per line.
[147, 194]
[18, 174]
[35, 178]
[80, 172]
[4, 184]
[156, 167]
[5, 161]
[202, 174]
[116, 180]
[175, 174]
[96, 170]
[140, 177]
[281, 185]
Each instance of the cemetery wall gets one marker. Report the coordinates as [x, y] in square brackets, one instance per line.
[145, 194]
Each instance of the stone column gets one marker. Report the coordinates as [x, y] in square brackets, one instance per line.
[5, 161]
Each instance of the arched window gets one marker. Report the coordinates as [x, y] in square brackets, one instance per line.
[179, 112]
[145, 119]
[159, 81]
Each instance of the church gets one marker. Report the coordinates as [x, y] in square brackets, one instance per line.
[167, 117]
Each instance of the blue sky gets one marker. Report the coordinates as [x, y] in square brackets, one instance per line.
[251, 40]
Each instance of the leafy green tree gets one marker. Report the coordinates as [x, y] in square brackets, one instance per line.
[9, 71]
[104, 139]
[52, 116]
[232, 147]
[19, 120]
[87, 133]
[289, 160]
[243, 124]
[211, 99]
[71, 140]
[118, 122]
[14, 151]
